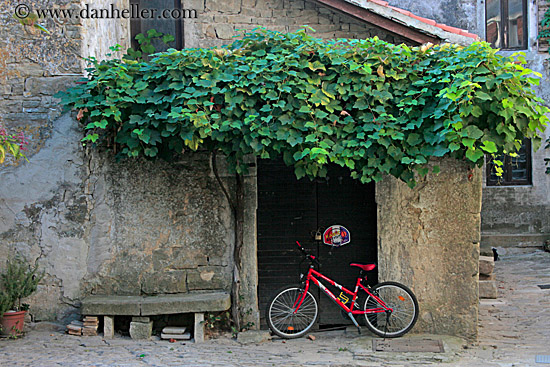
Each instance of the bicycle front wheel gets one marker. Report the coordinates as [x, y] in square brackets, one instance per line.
[286, 317]
[403, 303]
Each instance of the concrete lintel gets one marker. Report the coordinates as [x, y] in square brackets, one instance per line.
[185, 303]
[111, 305]
[156, 305]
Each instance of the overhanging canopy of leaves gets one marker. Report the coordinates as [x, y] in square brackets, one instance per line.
[371, 106]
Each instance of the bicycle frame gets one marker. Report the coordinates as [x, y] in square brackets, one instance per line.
[313, 275]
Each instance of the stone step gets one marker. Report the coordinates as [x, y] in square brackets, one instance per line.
[174, 330]
[488, 289]
[185, 336]
[486, 265]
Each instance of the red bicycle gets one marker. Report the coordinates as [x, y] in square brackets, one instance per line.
[390, 309]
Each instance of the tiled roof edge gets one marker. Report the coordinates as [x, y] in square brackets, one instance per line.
[425, 25]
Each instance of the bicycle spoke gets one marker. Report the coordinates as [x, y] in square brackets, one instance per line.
[402, 304]
[292, 312]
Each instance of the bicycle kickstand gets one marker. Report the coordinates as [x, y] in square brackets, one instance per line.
[355, 322]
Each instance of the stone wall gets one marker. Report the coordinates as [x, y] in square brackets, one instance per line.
[218, 21]
[100, 34]
[33, 67]
[94, 225]
[100, 227]
[429, 240]
[140, 227]
[158, 228]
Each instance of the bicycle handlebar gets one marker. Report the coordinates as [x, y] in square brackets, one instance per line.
[308, 256]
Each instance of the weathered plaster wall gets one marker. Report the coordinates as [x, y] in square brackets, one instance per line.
[218, 21]
[42, 217]
[429, 240]
[100, 227]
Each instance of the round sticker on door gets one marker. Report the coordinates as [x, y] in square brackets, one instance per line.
[336, 236]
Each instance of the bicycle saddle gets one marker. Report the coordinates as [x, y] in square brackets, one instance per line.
[365, 267]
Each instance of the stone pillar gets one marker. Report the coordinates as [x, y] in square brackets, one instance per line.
[141, 328]
[248, 291]
[199, 328]
[428, 239]
[108, 327]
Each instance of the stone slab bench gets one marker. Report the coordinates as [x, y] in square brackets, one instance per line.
[142, 307]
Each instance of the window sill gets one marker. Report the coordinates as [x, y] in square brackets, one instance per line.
[508, 186]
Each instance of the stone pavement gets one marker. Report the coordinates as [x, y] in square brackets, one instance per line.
[513, 330]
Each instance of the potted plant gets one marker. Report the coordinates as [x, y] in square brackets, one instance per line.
[19, 280]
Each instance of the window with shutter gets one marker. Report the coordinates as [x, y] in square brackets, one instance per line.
[506, 24]
[543, 20]
[517, 170]
[164, 25]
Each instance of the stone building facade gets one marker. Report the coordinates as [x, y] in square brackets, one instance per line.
[97, 226]
[516, 214]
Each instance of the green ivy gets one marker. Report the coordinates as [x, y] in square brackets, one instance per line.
[371, 106]
[545, 33]
[545, 25]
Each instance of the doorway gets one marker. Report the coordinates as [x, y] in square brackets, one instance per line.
[291, 210]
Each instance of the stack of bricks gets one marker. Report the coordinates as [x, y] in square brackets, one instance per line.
[487, 282]
[75, 328]
[87, 327]
[90, 326]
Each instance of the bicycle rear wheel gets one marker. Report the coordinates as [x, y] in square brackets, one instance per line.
[405, 310]
[282, 318]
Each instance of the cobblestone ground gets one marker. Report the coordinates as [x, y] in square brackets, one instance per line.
[513, 330]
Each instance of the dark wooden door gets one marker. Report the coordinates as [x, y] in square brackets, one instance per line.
[292, 210]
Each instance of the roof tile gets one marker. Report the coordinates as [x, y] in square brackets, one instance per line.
[379, 2]
[402, 11]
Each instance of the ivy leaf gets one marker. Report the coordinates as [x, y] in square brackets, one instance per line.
[477, 111]
[473, 132]
[474, 154]
[489, 146]
[414, 139]
[317, 65]
[304, 109]
[484, 96]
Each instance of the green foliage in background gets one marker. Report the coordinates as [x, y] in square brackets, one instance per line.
[545, 25]
[18, 281]
[371, 106]
[12, 144]
[545, 33]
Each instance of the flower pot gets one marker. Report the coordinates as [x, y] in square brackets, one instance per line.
[12, 323]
